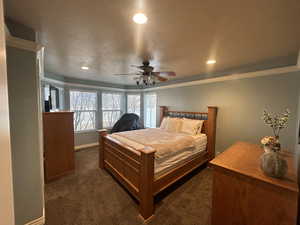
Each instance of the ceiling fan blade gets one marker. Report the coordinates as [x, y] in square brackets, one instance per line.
[161, 78]
[168, 73]
[126, 74]
[135, 66]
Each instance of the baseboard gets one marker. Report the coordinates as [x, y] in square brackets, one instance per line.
[38, 221]
[79, 147]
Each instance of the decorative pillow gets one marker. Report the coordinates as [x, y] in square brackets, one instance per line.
[190, 126]
[174, 125]
[164, 123]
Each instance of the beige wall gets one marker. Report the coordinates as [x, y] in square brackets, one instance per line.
[6, 191]
[23, 86]
[241, 103]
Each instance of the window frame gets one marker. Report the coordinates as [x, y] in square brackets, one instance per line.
[96, 110]
[145, 108]
[122, 106]
[134, 94]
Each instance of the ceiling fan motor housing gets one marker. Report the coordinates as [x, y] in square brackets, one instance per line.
[146, 63]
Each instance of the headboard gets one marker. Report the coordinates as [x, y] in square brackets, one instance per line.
[209, 126]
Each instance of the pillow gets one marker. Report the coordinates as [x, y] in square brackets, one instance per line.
[164, 123]
[199, 131]
[190, 126]
[174, 125]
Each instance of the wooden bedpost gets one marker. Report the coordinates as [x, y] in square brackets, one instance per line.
[102, 134]
[163, 111]
[146, 184]
[211, 130]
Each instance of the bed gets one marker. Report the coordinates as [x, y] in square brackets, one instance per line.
[146, 168]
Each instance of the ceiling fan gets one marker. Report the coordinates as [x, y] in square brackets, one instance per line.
[146, 76]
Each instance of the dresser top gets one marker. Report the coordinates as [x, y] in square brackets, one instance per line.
[58, 112]
[244, 158]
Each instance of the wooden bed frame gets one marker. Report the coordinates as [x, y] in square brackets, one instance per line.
[135, 170]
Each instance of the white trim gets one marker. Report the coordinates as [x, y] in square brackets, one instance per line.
[134, 90]
[96, 87]
[72, 85]
[262, 73]
[45, 79]
[22, 44]
[85, 131]
[40, 123]
[79, 147]
[38, 221]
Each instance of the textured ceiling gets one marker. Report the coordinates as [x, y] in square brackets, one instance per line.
[179, 36]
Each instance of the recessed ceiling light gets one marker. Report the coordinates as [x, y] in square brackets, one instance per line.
[140, 18]
[211, 61]
[84, 68]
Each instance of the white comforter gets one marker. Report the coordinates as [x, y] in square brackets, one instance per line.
[162, 141]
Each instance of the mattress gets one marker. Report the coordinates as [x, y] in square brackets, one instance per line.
[165, 164]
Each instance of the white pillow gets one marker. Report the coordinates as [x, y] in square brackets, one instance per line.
[199, 131]
[174, 125]
[190, 126]
[164, 123]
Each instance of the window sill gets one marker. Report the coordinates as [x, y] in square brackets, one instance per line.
[85, 131]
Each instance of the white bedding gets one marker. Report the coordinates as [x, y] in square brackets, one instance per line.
[165, 162]
[164, 142]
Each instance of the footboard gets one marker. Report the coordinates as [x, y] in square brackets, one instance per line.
[134, 170]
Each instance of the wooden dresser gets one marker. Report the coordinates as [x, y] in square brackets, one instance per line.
[58, 144]
[243, 195]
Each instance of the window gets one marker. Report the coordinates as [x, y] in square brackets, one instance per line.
[84, 105]
[54, 93]
[150, 110]
[53, 98]
[111, 108]
[134, 104]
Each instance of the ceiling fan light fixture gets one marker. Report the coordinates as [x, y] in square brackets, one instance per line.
[140, 18]
[211, 61]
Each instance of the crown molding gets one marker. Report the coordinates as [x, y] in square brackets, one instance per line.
[76, 85]
[238, 76]
[261, 73]
[21, 43]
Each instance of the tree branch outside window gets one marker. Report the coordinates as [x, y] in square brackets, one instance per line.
[134, 104]
[84, 105]
[111, 108]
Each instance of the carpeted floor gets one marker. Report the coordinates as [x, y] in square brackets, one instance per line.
[92, 197]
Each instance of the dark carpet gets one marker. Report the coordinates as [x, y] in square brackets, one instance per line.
[92, 197]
